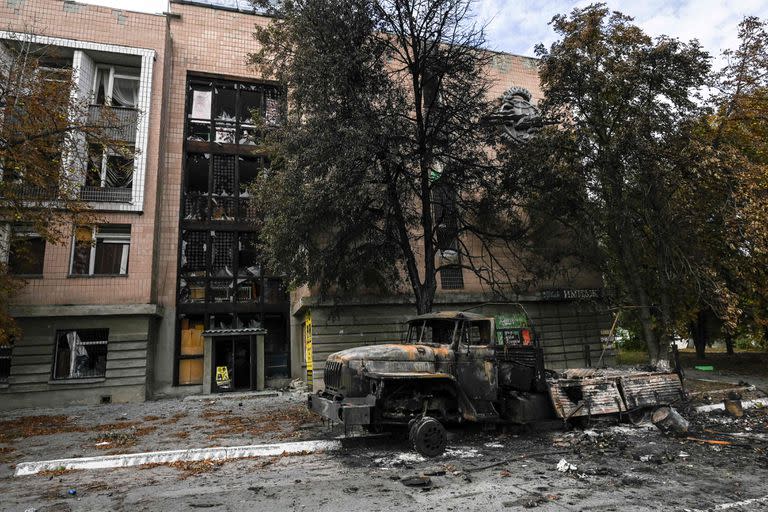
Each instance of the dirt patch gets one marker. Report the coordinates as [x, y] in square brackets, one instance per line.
[699, 386]
[5, 454]
[121, 425]
[29, 426]
[183, 434]
[175, 418]
[50, 473]
[120, 438]
[189, 468]
[282, 424]
[741, 363]
[152, 418]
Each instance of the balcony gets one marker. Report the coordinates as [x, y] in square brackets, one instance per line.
[105, 194]
[119, 123]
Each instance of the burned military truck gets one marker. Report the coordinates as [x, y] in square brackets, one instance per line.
[455, 367]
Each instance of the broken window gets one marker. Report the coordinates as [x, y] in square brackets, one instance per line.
[5, 362]
[272, 108]
[274, 291]
[196, 186]
[194, 253]
[102, 250]
[250, 168]
[199, 127]
[446, 218]
[248, 269]
[250, 113]
[248, 261]
[223, 196]
[27, 252]
[191, 351]
[116, 87]
[111, 171]
[81, 354]
[223, 261]
[223, 321]
[225, 108]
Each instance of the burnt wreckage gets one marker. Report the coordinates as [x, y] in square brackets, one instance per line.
[456, 367]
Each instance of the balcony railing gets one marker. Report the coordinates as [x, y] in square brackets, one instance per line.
[119, 123]
[106, 194]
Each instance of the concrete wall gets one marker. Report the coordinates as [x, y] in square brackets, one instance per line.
[31, 383]
[564, 329]
[106, 28]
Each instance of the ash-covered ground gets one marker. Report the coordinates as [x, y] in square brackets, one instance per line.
[721, 464]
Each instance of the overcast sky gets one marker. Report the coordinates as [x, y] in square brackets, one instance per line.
[518, 25]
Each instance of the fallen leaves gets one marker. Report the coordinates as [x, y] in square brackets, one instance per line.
[29, 426]
[283, 423]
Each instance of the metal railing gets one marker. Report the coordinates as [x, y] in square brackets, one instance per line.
[106, 194]
[119, 123]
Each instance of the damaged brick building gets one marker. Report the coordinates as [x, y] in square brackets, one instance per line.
[168, 287]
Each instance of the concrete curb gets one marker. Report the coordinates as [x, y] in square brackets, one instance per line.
[746, 404]
[165, 457]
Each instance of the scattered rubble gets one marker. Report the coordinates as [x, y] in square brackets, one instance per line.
[669, 421]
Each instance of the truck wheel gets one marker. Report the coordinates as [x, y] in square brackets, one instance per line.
[428, 437]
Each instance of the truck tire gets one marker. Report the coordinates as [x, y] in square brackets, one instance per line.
[428, 437]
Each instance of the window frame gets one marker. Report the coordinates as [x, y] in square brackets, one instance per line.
[102, 343]
[27, 233]
[114, 72]
[96, 235]
[106, 153]
[4, 377]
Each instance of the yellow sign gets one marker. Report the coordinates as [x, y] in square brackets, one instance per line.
[308, 347]
[222, 377]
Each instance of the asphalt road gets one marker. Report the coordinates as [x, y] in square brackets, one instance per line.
[619, 468]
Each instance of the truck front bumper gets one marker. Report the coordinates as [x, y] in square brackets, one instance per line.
[349, 411]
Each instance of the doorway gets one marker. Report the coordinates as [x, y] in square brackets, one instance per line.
[234, 363]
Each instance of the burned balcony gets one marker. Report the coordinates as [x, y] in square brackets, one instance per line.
[118, 123]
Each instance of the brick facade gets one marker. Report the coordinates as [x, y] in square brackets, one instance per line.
[190, 40]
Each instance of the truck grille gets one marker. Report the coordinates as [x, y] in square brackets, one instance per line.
[332, 375]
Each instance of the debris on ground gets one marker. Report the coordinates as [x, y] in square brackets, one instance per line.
[421, 481]
[733, 405]
[30, 426]
[669, 421]
[565, 467]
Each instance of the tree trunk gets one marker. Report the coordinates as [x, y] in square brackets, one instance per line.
[700, 335]
[664, 339]
[729, 344]
[640, 298]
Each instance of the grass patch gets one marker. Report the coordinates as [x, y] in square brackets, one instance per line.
[631, 358]
[740, 363]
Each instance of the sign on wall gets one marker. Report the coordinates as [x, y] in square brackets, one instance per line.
[308, 348]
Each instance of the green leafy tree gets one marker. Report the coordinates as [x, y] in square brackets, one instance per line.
[381, 173]
[627, 107]
[732, 141]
